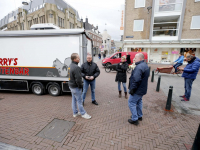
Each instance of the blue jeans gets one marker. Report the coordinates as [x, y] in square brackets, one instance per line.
[86, 84]
[77, 100]
[176, 66]
[188, 87]
[135, 106]
[119, 86]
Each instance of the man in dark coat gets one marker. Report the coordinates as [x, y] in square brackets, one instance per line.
[121, 76]
[138, 87]
[90, 71]
[189, 74]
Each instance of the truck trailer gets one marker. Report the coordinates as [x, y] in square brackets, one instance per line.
[38, 60]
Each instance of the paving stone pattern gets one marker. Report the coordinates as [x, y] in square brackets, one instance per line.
[24, 115]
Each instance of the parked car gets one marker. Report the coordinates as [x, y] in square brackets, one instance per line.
[116, 58]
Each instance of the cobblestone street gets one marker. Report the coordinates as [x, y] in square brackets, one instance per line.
[24, 115]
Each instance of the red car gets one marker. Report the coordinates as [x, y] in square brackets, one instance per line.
[116, 58]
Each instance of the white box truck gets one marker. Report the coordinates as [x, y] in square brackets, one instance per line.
[39, 60]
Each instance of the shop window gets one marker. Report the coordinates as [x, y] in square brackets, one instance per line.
[138, 25]
[139, 3]
[195, 24]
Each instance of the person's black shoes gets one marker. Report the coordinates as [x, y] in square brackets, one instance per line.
[95, 102]
[133, 122]
[140, 119]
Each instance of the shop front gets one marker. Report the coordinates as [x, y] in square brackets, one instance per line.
[165, 53]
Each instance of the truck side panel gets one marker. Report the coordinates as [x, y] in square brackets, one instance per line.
[45, 58]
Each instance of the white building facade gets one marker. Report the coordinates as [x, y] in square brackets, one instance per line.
[106, 42]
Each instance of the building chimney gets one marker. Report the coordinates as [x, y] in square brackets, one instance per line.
[86, 20]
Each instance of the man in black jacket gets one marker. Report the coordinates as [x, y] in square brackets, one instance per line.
[90, 71]
[75, 85]
[138, 87]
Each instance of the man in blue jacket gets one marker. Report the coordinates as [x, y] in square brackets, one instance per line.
[190, 73]
[179, 62]
[138, 83]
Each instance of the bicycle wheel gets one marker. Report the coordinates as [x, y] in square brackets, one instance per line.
[129, 70]
[179, 73]
[107, 69]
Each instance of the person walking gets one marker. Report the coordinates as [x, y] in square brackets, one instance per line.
[189, 74]
[90, 71]
[99, 55]
[121, 76]
[179, 62]
[104, 55]
[138, 83]
[75, 85]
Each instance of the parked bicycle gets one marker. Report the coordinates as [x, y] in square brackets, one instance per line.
[110, 68]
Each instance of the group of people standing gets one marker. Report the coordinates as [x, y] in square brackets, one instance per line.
[89, 71]
[138, 81]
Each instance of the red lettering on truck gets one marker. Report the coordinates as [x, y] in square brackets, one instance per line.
[5, 62]
[26, 71]
[15, 60]
[8, 61]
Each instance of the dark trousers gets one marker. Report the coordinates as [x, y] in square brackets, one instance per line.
[176, 66]
[188, 87]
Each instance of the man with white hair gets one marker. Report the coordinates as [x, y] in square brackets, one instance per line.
[189, 74]
[90, 71]
[138, 83]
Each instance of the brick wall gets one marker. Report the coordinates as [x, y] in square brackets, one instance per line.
[192, 9]
[132, 13]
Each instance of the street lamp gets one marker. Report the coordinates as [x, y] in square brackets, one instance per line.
[24, 3]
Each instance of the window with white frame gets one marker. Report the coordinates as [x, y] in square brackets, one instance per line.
[138, 25]
[195, 24]
[139, 3]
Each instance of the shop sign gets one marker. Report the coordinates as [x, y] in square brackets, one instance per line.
[175, 52]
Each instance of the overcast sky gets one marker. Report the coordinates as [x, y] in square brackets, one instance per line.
[99, 12]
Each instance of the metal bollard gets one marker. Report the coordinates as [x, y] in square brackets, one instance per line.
[149, 71]
[152, 77]
[158, 84]
[196, 144]
[169, 99]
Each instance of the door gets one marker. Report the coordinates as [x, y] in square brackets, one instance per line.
[116, 58]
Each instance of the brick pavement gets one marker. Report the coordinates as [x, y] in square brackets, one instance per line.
[23, 115]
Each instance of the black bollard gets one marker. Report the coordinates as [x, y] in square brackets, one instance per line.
[158, 84]
[169, 99]
[152, 77]
[196, 144]
[149, 70]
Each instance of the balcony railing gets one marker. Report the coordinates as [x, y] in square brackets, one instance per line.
[165, 32]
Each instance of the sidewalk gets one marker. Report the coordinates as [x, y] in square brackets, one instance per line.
[24, 115]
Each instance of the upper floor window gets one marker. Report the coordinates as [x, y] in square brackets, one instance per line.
[168, 5]
[139, 3]
[195, 24]
[138, 25]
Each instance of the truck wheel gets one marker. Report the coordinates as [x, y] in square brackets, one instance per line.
[37, 89]
[54, 90]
